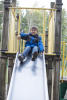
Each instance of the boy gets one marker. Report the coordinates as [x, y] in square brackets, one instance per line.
[33, 43]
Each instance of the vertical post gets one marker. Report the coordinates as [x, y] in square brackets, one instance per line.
[57, 48]
[51, 70]
[51, 30]
[2, 77]
[10, 67]
[49, 75]
[58, 26]
[63, 62]
[4, 47]
[44, 22]
[5, 25]
[56, 78]
[10, 59]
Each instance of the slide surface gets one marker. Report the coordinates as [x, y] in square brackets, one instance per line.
[29, 81]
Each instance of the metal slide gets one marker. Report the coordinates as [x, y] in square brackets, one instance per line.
[29, 81]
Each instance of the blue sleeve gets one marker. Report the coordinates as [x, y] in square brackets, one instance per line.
[24, 35]
[40, 45]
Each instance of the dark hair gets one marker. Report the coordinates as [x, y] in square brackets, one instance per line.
[35, 28]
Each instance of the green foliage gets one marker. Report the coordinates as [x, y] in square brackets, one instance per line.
[64, 33]
[64, 25]
[32, 18]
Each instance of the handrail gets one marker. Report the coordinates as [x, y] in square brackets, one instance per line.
[32, 8]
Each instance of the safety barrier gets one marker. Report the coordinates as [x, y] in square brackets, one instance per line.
[63, 72]
[44, 20]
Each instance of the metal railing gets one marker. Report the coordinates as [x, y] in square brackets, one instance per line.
[13, 43]
[63, 61]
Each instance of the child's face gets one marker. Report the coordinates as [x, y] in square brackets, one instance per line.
[33, 31]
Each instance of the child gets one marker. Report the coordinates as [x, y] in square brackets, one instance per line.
[33, 43]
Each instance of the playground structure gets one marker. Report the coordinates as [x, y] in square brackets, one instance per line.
[15, 18]
[52, 56]
[30, 78]
[14, 43]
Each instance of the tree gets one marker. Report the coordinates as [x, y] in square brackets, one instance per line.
[64, 26]
[64, 33]
[31, 18]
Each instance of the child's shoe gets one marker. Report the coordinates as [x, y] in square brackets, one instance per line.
[21, 57]
[34, 56]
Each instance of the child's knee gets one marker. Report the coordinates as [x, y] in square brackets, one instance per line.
[36, 48]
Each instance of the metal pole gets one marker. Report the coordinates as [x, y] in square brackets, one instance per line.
[32, 8]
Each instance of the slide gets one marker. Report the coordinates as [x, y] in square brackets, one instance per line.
[29, 80]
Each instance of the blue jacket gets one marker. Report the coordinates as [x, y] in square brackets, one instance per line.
[32, 40]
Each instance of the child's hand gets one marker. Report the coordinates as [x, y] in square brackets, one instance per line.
[19, 37]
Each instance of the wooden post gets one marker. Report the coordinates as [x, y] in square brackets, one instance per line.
[49, 76]
[4, 47]
[2, 78]
[51, 70]
[5, 25]
[54, 72]
[58, 26]
[57, 48]
[10, 68]
[11, 58]
[56, 78]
